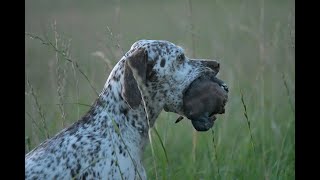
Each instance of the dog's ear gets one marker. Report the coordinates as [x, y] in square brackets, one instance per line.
[135, 72]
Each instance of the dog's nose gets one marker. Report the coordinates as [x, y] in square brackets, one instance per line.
[213, 64]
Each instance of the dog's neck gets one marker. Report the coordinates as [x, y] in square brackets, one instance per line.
[111, 110]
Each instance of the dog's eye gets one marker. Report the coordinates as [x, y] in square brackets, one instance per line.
[180, 58]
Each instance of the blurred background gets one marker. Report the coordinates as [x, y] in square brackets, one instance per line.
[72, 45]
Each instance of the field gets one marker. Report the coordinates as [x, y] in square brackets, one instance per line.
[253, 40]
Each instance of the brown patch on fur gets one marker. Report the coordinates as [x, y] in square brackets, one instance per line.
[163, 62]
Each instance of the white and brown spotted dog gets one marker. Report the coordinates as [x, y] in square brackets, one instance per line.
[108, 141]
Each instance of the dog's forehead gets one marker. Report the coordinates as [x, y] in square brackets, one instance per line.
[158, 47]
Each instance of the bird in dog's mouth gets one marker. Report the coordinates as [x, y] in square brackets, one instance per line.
[203, 100]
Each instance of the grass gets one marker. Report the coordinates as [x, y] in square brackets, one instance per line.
[75, 45]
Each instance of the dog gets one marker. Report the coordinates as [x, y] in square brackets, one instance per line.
[108, 141]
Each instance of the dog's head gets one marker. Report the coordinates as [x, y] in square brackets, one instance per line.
[162, 72]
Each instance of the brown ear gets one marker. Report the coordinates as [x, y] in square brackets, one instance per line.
[135, 71]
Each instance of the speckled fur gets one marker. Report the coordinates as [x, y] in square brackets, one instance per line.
[91, 148]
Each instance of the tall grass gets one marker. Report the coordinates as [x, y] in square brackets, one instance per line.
[254, 42]
[39, 110]
[215, 154]
[60, 73]
[193, 53]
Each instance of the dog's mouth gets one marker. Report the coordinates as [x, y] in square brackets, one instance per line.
[203, 99]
